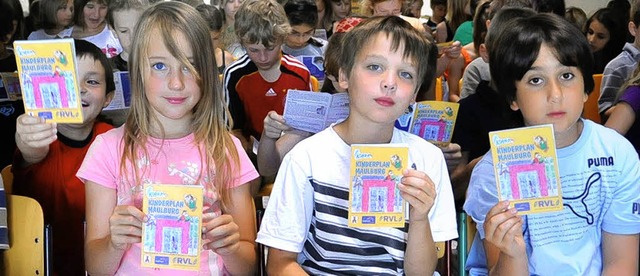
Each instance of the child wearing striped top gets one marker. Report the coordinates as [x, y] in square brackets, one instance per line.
[305, 223]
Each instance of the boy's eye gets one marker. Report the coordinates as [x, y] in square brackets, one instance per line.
[374, 67]
[535, 81]
[406, 75]
[93, 82]
[123, 31]
[159, 66]
[567, 76]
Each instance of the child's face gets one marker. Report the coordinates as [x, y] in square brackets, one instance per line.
[299, 36]
[94, 14]
[124, 23]
[64, 15]
[416, 8]
[264, 58]
[551, 93]
[382, 83]
[439, 12]
[93, 86]
[386, 8]
[231, 7]
[340, 8]
[170, 88]
[215, 38]
[321, 12]
[597, 35]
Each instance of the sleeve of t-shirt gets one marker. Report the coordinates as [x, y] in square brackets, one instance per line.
[632, 97]
[247, 170]
[470, 79]
[236, 108]
[612, 81]
[623, 215]
[101, 163]
[288, 215]
[482, 193]
[442, 217]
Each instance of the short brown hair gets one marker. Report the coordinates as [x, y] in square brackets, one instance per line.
[261, 22]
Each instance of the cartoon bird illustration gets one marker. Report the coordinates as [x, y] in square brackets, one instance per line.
[60, 57]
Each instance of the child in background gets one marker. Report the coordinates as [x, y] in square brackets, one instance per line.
[438, 12]
[303, 16]
[620, 69]
[606, 35]
[576, 16]
[258, 82]
[50, 154]
[91, 25]
[123, 16]
[177, 133]
[624, 118]
[229, 39]
[215, 19]
[382, 69]
[56, 18]
[543, 66]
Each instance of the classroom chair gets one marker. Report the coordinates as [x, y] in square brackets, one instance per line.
[29, 239]
[591, 111]
[315, 84]
[439, 90]
[7, 179]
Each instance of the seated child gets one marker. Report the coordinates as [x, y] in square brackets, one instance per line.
[176, 133]
[258, 81]
[303, 16]
[56, 18]
[624, 117]
[123, 17]
[545, 66]
[50, 154]
[382, 69]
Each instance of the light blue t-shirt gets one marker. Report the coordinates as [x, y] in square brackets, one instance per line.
[600, 178]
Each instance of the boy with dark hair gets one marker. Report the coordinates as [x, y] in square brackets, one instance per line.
[383, 67]
[438, 13]
[543, 66]
[619, 69]
[49, 156]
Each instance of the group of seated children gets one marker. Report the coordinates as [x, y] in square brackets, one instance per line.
[184, 127]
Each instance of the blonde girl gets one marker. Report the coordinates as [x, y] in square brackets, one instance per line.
[177, 133]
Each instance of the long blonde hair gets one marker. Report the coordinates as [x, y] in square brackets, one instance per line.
[211, 120]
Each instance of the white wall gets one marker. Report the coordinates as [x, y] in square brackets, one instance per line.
[589, 6]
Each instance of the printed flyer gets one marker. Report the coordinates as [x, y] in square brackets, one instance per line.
[374, 197]
[432, 120]
[48, 78]
[172, 234]
[526, 168]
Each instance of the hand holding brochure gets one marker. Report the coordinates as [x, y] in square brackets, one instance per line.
[374, 197]
[49, 80]
[314, 111]
[432, 120]
[172, 234]
[526, 168]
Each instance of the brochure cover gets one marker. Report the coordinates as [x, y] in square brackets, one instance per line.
[374, 198]
[122, 96]
[10, 87]
[434, 121]
[48, 78]
[526, 168]
[314, 111]
[172, 235]
[315, 64]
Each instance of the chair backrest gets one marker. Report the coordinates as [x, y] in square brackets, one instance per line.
[7, 179]
[438, 89]
[315, 84]
[26, 255]
[591, 111]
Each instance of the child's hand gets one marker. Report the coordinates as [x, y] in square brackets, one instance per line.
[274, 125]
[503, 229]
[220, 234]
[452, 155]
[452, 51]
[33, 132]
[125, 225]
[417, 188]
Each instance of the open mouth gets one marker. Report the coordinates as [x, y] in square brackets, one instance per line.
[85, 104]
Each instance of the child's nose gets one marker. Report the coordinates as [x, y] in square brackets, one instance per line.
[176, 81]
[389, 83]
[555, 92]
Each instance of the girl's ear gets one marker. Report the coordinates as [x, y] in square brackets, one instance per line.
[343, 80]
[514, 105]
